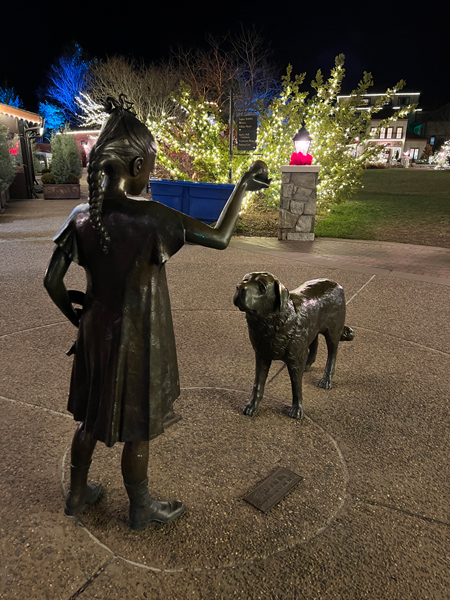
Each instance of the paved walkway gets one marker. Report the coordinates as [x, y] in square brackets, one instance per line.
[423, 263]
[370, 516]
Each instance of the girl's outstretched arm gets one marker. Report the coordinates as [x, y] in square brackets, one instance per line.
[54, 284]
[219, 237]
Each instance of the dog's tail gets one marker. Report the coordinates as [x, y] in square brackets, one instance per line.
[348, 334]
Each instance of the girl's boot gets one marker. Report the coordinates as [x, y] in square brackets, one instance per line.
[144, 509]
[81, 492]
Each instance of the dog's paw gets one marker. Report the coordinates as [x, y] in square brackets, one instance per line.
[295, 412]
[249, 409]
[324, 383]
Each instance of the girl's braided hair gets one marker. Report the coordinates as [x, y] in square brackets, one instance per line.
[122, 138]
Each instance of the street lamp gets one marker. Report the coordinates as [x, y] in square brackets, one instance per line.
[302, 140]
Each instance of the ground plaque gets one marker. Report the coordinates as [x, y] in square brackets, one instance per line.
[273, 489]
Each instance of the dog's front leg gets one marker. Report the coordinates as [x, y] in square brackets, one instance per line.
[296, 374]
[261, 372]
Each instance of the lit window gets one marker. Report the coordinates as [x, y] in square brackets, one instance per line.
[389, 132]
[382, 133]
[399, 133]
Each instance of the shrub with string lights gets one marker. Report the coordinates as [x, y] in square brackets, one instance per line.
[441, 158]
[336, 129]
[197, 145]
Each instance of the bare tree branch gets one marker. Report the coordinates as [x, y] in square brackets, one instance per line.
[149, 87]
[240, 63]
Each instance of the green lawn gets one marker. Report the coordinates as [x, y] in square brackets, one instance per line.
[399, 205]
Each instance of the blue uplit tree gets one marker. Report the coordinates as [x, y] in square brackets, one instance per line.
[8, 96]
[68, 77]
[53, 115]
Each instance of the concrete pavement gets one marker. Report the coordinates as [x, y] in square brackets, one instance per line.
[370, 518]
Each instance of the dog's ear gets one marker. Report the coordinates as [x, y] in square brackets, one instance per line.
[281, 295]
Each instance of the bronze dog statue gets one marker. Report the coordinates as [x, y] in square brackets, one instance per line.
[285, 326]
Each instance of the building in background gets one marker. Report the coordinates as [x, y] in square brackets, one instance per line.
[435, 126]
[23, 126]
[398, 138]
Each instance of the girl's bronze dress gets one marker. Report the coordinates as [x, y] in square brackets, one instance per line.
[125, 373]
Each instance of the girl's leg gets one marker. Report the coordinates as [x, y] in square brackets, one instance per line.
[134, 462]
[81, 492]
[83, 446]
[143, 508]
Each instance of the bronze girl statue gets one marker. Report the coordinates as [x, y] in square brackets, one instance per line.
[125, 374]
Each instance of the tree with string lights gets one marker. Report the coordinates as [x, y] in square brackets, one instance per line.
[334, 127]
[195, 146]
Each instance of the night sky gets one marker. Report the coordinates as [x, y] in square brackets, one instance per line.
[391, 43]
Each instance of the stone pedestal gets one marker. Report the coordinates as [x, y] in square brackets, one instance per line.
[298, 202]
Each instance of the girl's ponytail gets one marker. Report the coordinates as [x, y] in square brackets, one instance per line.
[96, 196]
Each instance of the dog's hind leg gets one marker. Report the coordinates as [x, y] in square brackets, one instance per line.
[261, 372]
[332, 345]
[296, 374]
[312, 353]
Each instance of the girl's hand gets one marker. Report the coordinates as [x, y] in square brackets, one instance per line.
[76, 297]
[78, 312]
[257, 177]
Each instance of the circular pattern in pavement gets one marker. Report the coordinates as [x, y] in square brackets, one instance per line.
[210, 460]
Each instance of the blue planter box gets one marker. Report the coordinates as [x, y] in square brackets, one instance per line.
[203, 201]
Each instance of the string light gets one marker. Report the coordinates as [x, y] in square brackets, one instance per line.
[92, 114]
[197, 146]
[440, 159]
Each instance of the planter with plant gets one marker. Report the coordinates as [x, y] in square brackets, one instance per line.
[63, 180]
[7, 170]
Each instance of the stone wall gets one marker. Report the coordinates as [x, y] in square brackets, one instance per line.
[298, 202]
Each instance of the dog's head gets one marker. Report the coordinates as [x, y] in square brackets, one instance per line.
[261, 294]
